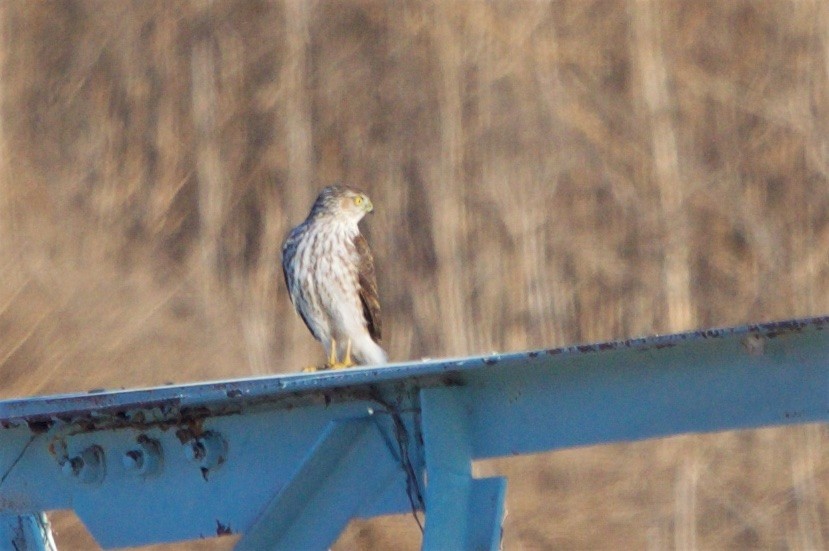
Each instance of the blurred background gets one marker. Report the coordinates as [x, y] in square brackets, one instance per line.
[543, 172]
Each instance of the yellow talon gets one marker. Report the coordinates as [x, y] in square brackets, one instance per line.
[348, 362]
[333, 363]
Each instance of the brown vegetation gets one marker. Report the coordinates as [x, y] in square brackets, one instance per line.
[544, 173]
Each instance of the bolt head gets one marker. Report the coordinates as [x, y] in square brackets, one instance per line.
[145, 459]
[71, 466]
[88, 466]
[133, 460]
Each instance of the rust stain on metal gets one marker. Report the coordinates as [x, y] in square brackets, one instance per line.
[186, 434]
[40, 426]
[52, 450]
[770, 330]
[451, 380]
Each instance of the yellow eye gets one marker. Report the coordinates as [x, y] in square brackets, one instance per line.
[358, 200]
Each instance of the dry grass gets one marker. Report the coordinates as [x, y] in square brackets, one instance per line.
[544, 172]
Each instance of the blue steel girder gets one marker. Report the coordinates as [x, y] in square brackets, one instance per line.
[288, 460]
[464, 513]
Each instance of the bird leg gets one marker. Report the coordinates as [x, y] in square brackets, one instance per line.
[348, 362]
[332, 358]
[334, 363]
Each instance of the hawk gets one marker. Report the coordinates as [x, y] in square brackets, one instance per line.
[329, 272]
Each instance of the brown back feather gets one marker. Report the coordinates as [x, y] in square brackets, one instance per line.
[368, 288]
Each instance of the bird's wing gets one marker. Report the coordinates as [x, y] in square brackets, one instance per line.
[368, 288]
[288, 252]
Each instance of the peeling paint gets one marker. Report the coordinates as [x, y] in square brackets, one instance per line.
[223, 529]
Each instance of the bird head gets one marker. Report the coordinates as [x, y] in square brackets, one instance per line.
[343, 201]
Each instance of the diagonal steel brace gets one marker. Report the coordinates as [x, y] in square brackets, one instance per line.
[338, 475]
[26, 533]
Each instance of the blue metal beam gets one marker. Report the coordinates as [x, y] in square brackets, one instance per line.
[461, 512]
[238, 456]
[330, 484]
[26, 533]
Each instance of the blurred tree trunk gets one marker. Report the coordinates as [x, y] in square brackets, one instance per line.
[648, 54]
[212, 181]
[447, 187]
[300, 185]
[5, 167]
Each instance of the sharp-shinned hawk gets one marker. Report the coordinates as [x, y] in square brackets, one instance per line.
[329, 271]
